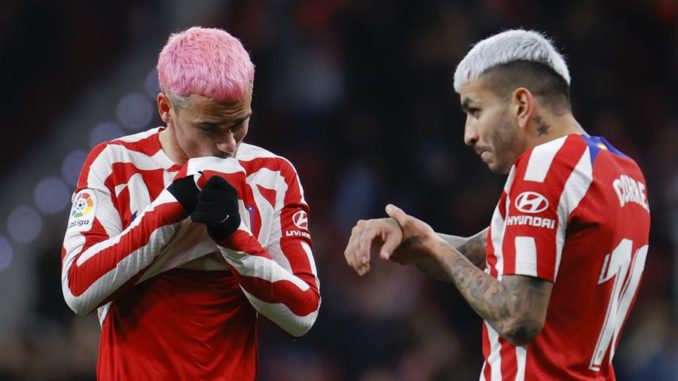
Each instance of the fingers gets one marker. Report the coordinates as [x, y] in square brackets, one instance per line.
[357, 251]
[392, 240]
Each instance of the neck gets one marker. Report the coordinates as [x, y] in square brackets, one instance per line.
[169, 145]
[547, 128]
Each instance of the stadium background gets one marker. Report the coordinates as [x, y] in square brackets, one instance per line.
[358, 94]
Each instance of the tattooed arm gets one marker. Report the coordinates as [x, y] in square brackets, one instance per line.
[473, 247]
[515, 306]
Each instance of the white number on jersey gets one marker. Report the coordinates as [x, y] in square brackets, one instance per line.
[616, 266]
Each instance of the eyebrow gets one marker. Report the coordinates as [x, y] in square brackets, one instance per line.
[467, 103]
[235, 122]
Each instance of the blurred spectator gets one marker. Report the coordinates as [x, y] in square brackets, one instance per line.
[358, 94]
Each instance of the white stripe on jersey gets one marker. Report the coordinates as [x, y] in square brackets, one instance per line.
[117, 276]
[137, 187]
[521, 360]
[309, 256]
[482, 372]
[574, 191]
[270, 234]
[499, 227]
[102, 166]
[280, 314]
[538, 168]
[163, 198]
[138, 136]
[495, 356]
[254, 266]
[247, 152]
[527, 247]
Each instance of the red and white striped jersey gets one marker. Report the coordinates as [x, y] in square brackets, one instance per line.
[574, 211]
[172, 303]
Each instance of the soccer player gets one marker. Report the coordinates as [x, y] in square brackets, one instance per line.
[182, 235]
[556, 272]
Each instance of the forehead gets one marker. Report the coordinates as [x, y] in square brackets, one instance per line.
[475, 91]
[206, 109]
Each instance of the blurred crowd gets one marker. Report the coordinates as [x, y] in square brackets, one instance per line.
[358, 95]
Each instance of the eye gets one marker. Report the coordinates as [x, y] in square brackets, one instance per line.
[474, 112]
[207, 127]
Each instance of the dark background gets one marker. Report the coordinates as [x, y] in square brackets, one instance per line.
[358, 95]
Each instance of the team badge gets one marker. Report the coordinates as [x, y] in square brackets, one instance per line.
[300, 219]
[83, 211]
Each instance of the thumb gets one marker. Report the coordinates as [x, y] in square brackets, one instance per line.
[396, 213]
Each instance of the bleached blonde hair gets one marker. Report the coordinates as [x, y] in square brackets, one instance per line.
[507, 47]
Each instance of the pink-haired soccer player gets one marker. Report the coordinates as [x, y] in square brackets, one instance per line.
[556, 273]
[181, 235]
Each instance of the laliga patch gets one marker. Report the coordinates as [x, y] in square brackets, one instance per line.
[83, 211]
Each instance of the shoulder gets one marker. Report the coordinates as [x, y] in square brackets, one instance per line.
[137, 148]
[555, 160]
[253, 158]
[142, 146]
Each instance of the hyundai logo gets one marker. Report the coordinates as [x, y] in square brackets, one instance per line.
[531, 202]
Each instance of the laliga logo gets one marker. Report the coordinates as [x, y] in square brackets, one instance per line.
[83, 205]
[531, 202]
[300, 219]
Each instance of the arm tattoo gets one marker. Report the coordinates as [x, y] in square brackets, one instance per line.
[475, 248]
[543, 127]
[515, 307]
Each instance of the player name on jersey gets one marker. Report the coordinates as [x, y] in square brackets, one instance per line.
[630, 190]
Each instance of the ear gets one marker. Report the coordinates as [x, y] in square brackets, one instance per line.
[164, 107]
[523, 106]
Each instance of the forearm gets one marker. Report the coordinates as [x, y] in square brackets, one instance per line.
[502, 304]
[290, 299]
[473, 247]
[93, 272]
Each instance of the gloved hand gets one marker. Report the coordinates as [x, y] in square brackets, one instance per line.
[217, 208]
[186, 192]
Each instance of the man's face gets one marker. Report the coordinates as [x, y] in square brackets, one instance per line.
[210, 128]
[490, 128]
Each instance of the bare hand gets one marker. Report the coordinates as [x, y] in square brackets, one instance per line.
[417, 236]
[380, 235]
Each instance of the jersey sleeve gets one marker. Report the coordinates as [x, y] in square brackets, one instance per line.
[280, 280]
[548, 184]
[99, 257]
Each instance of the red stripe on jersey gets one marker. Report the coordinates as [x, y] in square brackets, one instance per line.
[301, 303]
[490, 258]
[122, 172]
[268, 194]
[509, 366]
[80, 278]
[487, 347]
[562, 167]
[87, 165]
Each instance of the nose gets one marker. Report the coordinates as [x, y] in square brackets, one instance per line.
[227, 143]
[470, 133]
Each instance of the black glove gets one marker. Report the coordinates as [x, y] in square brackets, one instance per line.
[186, 192]
[218, 208]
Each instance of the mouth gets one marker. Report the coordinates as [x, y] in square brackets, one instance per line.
[483, 153]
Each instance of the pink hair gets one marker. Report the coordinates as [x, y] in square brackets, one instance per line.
[208, 62]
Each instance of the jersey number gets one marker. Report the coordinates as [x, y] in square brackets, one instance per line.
[616, 266]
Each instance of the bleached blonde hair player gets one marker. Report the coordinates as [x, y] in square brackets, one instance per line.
[556, 272]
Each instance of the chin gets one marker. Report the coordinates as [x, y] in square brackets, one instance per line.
[498, 168]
